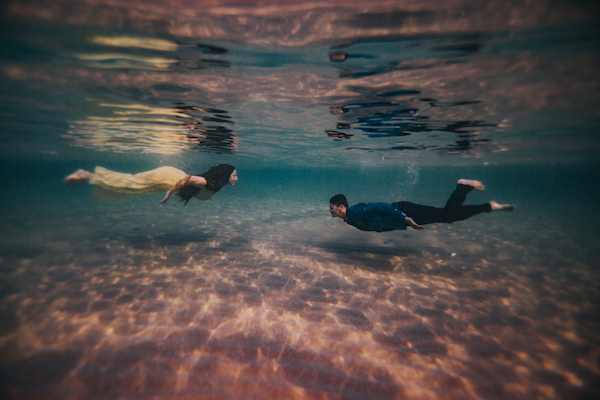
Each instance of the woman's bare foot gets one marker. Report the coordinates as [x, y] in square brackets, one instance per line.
[502, 207]
[77, 177]
[469, 182]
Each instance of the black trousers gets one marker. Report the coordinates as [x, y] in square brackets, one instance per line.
[453, 210]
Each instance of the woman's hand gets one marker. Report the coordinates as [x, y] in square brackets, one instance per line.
[175, 187]
[198, 181]
[163, 201]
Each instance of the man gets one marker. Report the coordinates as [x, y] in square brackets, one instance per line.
[381, 217]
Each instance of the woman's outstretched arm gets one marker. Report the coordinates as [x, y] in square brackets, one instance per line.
[189, 180]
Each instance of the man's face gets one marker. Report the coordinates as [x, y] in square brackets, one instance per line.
[336, 211]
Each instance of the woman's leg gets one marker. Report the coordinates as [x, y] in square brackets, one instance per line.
[117, 186]
[78, 177]
[157, 180]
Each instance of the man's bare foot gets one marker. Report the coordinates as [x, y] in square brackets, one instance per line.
[77, 177]
[502, 207]
[469, 182]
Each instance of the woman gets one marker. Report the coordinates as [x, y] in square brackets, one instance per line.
[114, 186]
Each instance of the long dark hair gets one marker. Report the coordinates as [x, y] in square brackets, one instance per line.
[216, 177]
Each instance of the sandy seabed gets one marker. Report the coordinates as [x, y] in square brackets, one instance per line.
[272, 308]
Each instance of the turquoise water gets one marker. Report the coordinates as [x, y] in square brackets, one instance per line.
[258, 293]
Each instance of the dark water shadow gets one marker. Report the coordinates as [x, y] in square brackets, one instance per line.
[11, 254]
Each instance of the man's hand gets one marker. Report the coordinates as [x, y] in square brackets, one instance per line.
[410, 222]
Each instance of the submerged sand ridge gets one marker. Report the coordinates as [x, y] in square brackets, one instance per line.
[224, 315]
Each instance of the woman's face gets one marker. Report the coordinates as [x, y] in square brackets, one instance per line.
[233, 178]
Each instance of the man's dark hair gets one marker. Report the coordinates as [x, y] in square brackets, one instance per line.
[339, 199]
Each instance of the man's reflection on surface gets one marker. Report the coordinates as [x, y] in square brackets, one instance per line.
[390, 113]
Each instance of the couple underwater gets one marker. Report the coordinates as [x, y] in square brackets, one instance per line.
[114, 186]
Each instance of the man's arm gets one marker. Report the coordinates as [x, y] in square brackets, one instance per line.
[383, 217]
[408, 221]
[189, 180]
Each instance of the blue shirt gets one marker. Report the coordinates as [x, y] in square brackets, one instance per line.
[378, 217]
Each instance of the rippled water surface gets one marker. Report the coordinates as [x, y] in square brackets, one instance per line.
[258, 293]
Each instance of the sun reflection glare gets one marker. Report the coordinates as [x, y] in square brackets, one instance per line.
[155, 130]
[122, 60]
[137, 42]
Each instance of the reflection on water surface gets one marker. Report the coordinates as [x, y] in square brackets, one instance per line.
[154, 130]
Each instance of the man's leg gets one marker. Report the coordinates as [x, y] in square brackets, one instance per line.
[458, 197]
[422, 215]
[455, 211]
